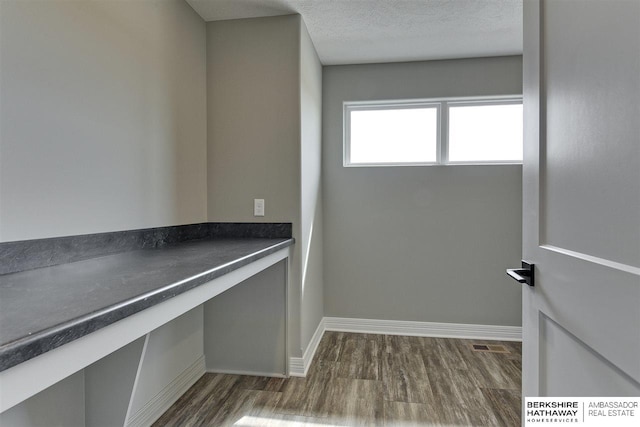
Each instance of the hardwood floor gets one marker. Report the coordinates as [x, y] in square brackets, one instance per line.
[367, 380]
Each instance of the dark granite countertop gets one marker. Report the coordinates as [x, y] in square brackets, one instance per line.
[44, 308]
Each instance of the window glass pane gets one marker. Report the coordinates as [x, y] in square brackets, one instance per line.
[398, 135]
[485, 133]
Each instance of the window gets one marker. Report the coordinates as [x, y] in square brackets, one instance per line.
[390, 134]
[485, 132]
[444, 131]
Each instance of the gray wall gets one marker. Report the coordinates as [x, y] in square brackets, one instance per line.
[171, 350]
[312, 309]
[420, 243]
[245, 329]
[108, 385]
[102, 117]
[253, 119]
[103, 128]
[264, 107]
[61, 405]
[253, 111]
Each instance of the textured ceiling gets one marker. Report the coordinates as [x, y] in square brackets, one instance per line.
[364, 31]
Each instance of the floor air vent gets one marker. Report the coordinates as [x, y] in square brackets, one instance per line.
[489, 348]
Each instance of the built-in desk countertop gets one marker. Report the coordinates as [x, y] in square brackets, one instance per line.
[46, 309]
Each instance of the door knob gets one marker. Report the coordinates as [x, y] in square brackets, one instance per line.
[524, 274]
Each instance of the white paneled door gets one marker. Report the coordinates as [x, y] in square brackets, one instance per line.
[581, 175]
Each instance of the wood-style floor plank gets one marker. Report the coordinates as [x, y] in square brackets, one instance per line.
[360, 358]
[401, 414]
[405, 378]
[506, 405]
[448, 398]
[367, 380]
[492, 370]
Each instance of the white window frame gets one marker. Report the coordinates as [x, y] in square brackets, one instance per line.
[348, 107]
[442, 138]
[474, 103]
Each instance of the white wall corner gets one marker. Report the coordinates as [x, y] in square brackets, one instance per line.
[159, 404]
[424, 329]
[299, 366]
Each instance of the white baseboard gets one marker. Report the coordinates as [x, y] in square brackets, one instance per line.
[250, 373]
[424, 329]
[159, 404]
[298, 366]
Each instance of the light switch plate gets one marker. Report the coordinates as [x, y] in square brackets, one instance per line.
[258, 207]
